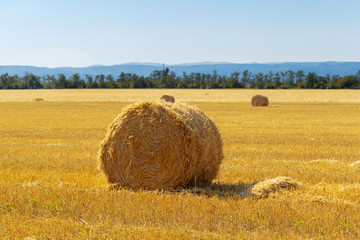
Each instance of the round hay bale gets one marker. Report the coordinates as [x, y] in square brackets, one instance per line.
[259, 101]
[168, 98]
[38, 99]
[264, 188]
[157, 145]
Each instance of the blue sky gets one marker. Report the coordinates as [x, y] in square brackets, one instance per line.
[80, 33]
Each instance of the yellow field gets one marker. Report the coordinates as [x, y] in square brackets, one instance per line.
[185, 95]
[50, 187]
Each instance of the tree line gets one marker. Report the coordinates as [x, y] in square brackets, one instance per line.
[168, 79]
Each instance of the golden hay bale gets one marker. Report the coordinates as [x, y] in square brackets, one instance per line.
[356, 164]
[168, 98]
[158, 145]
[38, 99]
[259, 101]
[264, 188]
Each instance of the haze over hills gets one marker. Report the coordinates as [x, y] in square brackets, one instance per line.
[223, 68]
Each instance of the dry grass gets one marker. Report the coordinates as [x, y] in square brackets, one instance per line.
[50, 187]
[356, 164]
[270, 186]
[181, 95]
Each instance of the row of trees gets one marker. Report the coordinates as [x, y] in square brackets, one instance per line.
[168, 79]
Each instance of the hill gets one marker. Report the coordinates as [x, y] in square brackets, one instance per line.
[321, 68]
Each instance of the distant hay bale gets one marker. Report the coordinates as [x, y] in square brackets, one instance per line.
[168, 98]
[356, 164]
[264, 188]
[259, 101]
[158, 145]
[38, 99]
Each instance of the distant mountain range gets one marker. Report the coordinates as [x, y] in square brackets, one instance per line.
[321, 68]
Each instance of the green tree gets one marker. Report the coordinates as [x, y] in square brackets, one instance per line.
[101, 80]
[134, 82]
[142, 82]
[90, 83]
[234, 81]
[62, 81]
[323, 81]
[156, 74]
[252, 83]
[245, 80]
[30, 81]
[49, 82]
[290, 78]
[168, 79]
[350, 81]
[259, 80]
[300, 78]
[269, 78]
[14, 82]
[333, 81]
[311, 80]
[74, 81]
[10, 82]
[110, 82]
[282, 77]
[277, 80]
[213, 82]
[4, 81]
[122, 81]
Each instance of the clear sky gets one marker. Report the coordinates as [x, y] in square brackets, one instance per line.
[80, 33]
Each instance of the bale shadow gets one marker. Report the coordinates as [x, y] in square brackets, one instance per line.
[220, 190]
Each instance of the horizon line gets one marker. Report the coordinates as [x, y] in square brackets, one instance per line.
[177, 64]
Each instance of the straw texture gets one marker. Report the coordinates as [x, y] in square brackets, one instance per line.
[356, 164]
[264, 188]
[259, 101]
[158, 145]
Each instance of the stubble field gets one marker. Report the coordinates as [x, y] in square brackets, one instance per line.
[50, 187]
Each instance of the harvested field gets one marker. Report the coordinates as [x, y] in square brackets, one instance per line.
[182, 95]
[50, 186]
